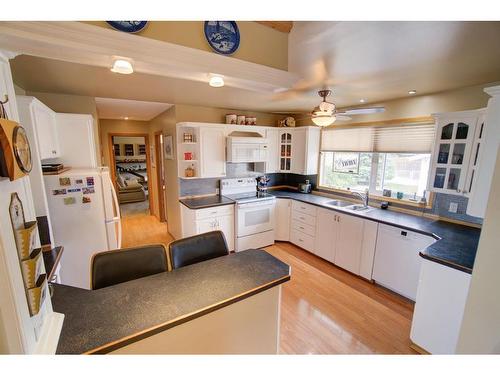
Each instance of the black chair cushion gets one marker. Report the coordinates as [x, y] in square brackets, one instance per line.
[198, 248]
[117, 266]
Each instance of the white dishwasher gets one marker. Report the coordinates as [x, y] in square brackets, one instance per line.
[397, 262]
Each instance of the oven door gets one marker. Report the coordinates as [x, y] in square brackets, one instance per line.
[255, 217]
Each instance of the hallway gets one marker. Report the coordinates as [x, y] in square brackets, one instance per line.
[142, 229]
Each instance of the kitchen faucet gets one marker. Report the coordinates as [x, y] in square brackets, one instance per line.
[364, 197]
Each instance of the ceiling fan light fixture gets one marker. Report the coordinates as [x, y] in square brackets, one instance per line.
[323, 119]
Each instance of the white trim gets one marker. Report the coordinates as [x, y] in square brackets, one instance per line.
[492, 91]
[92, 45]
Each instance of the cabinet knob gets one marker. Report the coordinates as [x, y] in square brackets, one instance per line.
[54, 152]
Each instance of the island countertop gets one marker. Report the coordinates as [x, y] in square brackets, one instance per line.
[103, 320]
[455, 245]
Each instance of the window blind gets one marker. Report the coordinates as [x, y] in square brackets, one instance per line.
[415, 138]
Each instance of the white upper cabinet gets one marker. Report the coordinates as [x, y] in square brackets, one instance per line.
[457, 138]
[484, 155]
[46, 129]
[213, 151]
[299, 150]
[273, 147]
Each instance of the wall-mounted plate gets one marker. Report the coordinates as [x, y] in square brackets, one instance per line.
[223, 36]
[128, 26]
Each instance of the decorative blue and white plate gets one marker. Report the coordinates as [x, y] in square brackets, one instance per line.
[128, 26]
[223, 36]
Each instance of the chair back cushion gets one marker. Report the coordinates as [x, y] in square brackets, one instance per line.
[117, 266]
[198, 248]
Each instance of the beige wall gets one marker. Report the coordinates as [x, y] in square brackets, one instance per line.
[480, 331]
[258, 44]
[72, 104]
[166, 122]
[218, 115]
[466, 98]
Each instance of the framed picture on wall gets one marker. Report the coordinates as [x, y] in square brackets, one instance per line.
[168, 143]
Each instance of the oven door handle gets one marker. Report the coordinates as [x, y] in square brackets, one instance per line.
[255, 204]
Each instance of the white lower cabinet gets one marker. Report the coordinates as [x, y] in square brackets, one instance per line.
[303, 225]
[345, 240]
[326, 234]
[282, 212]
[439, 308]
[203, 220]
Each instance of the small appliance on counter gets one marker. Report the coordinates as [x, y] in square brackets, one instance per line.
[262, 182]
[305, 187]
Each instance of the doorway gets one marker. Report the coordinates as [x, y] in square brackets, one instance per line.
[130, 166]
[160, 175]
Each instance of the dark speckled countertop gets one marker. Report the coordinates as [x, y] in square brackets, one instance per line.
[456, 244]
[206, 202]
[100, 321]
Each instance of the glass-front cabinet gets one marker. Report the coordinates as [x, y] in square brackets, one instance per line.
[285, 151]
[457, 137]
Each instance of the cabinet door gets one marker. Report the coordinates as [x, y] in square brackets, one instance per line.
[299, 151]
[206, 225]
[285, 150]
[272, 163]
[45, 124]
[282, 229]
[474, 158]
[349, 242]
[213, 152]
[226, 225]
[326, 234]
[453, 146]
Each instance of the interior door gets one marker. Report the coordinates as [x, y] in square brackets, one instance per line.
[160, 175]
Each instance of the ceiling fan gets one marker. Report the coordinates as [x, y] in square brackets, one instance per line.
[326, 112]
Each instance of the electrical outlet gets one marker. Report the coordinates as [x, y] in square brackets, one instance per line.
[453, 207]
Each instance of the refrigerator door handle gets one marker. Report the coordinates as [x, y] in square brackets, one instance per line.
[117, 218]
[115, 200]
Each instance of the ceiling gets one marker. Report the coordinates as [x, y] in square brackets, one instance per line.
[110, 108]
[375, 61]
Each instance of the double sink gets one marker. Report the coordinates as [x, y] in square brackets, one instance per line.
[349, 205]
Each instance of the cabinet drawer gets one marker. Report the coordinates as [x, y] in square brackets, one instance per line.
[205, 213]
[301, 239]
[304, 208]
[304, 218]
[304, 228]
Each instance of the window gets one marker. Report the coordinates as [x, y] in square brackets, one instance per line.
[386, 159]
[382, 173]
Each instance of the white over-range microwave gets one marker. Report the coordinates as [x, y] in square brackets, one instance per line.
[246, 149]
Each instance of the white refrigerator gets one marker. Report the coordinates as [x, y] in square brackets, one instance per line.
[85, 219]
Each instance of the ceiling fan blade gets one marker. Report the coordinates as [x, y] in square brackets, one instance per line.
[343, 118]
[362, 111]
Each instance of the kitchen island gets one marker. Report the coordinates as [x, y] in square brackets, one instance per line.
[224, 305]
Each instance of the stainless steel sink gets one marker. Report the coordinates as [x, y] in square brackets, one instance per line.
[337, 203]
[359, 207]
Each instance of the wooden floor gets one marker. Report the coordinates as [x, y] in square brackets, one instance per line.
[143, 229]
[325, 310]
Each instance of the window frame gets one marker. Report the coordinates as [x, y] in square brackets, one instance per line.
[374, 193]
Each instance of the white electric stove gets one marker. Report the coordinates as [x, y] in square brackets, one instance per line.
[254, 224]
